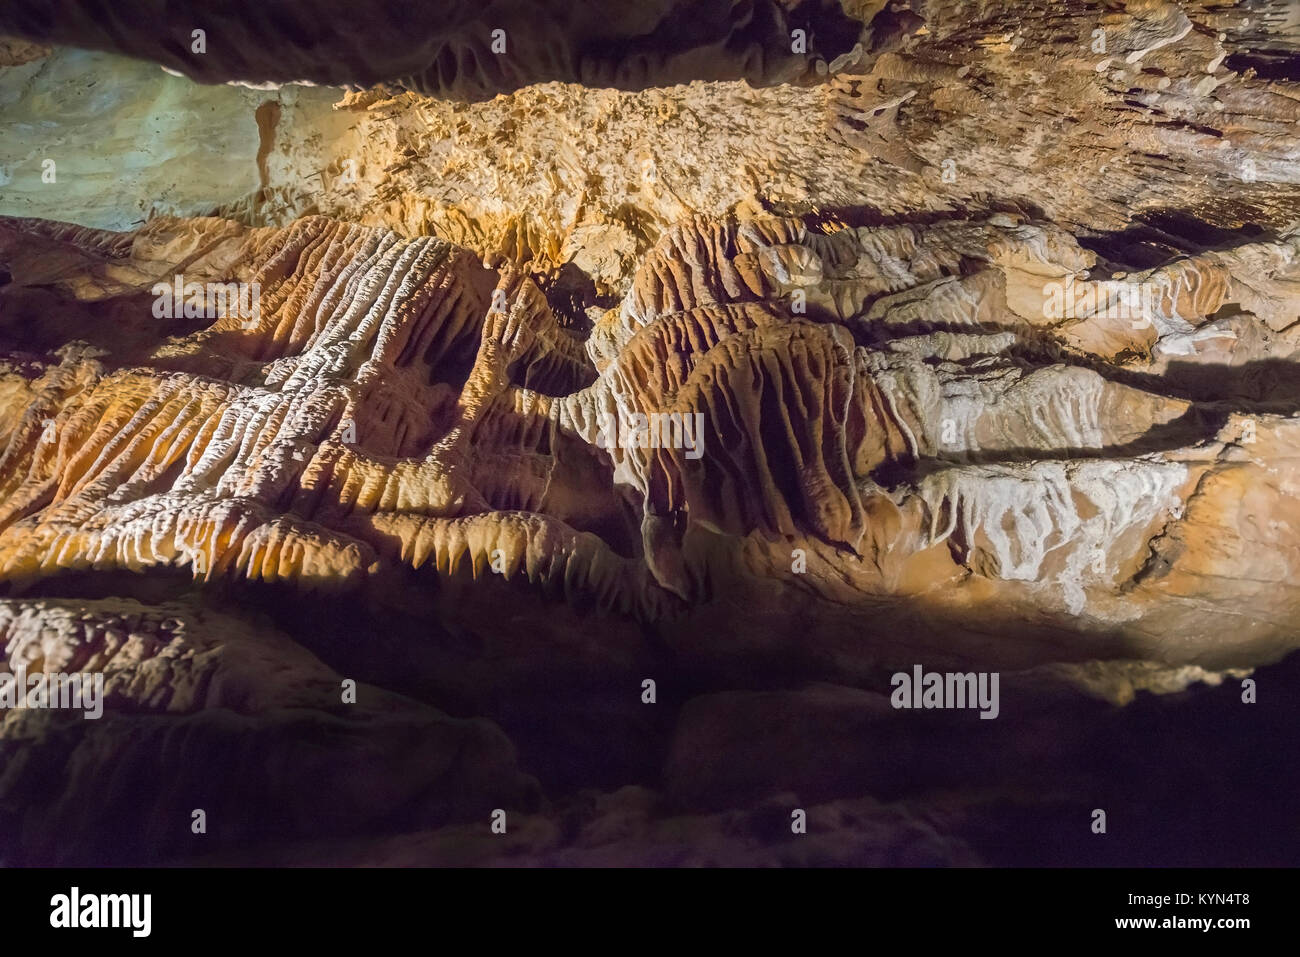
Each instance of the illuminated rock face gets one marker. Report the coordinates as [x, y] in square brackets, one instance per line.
[951, 412]
[970, 347]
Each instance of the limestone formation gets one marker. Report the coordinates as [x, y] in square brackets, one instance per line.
[502, 382]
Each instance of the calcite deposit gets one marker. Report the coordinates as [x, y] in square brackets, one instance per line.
[521, 432]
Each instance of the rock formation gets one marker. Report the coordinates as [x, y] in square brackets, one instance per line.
[460, 50]
[958, 336]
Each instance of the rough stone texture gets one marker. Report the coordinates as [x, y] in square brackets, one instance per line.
[847, 264]
[218, 714]
[895, 402]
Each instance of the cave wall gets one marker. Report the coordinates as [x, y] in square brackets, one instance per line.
[969, 334]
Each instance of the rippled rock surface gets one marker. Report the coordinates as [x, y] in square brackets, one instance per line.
[595, 433]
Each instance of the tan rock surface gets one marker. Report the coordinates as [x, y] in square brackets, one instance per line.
[651, 350]
[394, 401]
